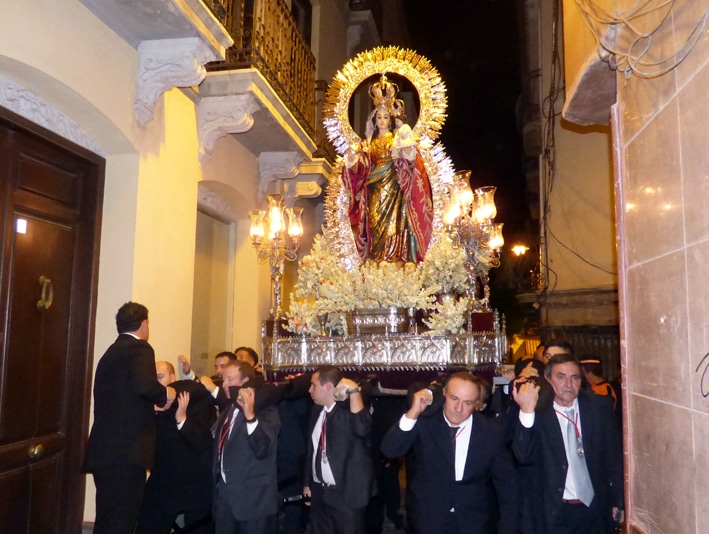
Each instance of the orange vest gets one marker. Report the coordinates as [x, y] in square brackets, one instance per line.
[604, 388]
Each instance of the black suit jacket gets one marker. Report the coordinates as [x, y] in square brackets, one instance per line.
[184, 456]
[542, 446]
[249, 464]
[348, 453]
[485, 500]
[125, 390]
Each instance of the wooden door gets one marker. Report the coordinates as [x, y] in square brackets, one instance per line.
[50, 200]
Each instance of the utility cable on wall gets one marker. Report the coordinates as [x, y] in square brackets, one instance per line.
[549, 155]
[626, 46]
[549, 146]
[579, 256]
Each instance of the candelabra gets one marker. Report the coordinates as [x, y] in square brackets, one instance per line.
[269, 234]
[469, 222]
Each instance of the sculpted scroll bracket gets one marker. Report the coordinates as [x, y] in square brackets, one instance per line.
[223, 115]
[164, 64]
[273, 166]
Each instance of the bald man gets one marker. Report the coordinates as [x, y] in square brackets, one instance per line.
[180, 482]
[462, 477]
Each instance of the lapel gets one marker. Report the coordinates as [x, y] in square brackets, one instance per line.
[314, 417]
[478, 445]
[237, 423]
[440, 435]
[587, 423]
[552, 429]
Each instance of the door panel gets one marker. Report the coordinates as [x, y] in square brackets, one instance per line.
[15, 486]
[44, 474]
[39, 342]
[47, 303]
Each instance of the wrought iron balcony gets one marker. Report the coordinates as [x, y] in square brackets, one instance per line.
[221, 10]
[266, 38]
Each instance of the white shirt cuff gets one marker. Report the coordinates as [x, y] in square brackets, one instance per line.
[250, 427]
[406, 424]
[527, 419]
[180, 425]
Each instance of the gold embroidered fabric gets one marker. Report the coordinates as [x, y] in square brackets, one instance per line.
[386, 210]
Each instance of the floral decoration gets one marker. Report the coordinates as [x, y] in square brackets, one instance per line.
[302, 318]
[448, 317]
[326, 290]
[445, 266]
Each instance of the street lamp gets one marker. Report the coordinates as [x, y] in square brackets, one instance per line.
[520, 250]
[269, 232]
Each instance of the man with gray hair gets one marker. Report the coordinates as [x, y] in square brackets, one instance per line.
[574, 446]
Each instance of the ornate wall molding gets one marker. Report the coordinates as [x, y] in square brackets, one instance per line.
[308, 189]
[214, 204]
[274, 166]
[28, 105]
[222, 115]
[168, 63]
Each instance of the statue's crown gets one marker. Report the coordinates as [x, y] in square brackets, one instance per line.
[384, 93]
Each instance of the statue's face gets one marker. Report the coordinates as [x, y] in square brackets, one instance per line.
[383, 120]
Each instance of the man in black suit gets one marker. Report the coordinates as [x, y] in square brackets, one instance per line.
[181, 479]
[575, 448]
[213, 383]
[220, 362]
[244, 467]
[122, 441]
[462, 477]
[339, 475]
[249, 355]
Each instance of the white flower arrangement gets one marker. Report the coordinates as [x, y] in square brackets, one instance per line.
[445, 266]
[326, 290]
[302, 318]
[387, 284]
[448, 317]
[315, 268]
[339, 292]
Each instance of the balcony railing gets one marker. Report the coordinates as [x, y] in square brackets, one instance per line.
[221, 10]
[266, 38]
[324, 146]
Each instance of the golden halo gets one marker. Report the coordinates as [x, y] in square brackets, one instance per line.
[407, 63]
[432, 96]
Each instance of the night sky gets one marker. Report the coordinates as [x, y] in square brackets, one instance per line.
[475, 47]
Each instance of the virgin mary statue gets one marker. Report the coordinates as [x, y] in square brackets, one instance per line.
[390, 201]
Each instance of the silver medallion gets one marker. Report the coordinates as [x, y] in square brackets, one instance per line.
[579, 449]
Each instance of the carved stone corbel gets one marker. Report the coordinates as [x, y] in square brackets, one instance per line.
[222, 115]
[274, 166]
[164, 64]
